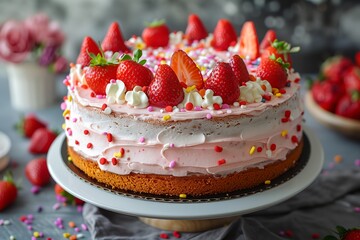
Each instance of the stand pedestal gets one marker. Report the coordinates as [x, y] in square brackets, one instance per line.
[187, 225]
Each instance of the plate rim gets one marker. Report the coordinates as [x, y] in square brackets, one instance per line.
[185, 211]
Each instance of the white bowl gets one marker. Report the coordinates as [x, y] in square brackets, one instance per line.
[5, 145]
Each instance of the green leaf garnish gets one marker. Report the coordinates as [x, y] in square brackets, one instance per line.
[100, 60]
[155, 23]
[284, 48]
[137, 55]
[280, 61]
[355, 95]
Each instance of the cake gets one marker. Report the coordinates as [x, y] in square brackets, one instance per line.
[184, 114]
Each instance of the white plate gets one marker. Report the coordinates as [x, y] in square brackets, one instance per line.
[184, 211]
[5, 146]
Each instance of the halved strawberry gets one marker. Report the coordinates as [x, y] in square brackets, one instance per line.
[268, 39]
[222, 81]
[156, 34]
[249, 43]
[88, 46]
[113, 40]
[186, 69]
[239, 68]
[195, 30]
[165, 90]
[273, 70]
[224, 35]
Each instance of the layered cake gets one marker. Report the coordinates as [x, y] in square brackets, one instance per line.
[184, 113]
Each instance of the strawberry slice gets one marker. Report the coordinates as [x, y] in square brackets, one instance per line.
[113, 40]
[269, 37]
[88, 46]
[186, 69]
[249, 43]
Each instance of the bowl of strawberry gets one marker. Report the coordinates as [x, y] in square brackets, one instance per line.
[334, 97]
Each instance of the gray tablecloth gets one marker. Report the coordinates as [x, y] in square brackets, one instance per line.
[333, 199]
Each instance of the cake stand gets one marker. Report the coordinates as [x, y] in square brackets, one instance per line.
[189, 215]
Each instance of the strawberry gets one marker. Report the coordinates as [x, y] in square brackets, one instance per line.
[29, 124]
[195, 30]
[223, 82]
[280, 49]
[224, 35]
[239, 68]
[132, 72]
[88, 46]
[344, 234]
[113, 40]
[326, 94]
[37, 172]
[349, 106]
[186, 69]
[249, 43]
[8, 191]
[165, 89]
[273, 70]
[100, 72]
[41, 141]
[66, 197]
[335, 67]
[268, 39]
[357, 58]
[156, 34]
[352, 79]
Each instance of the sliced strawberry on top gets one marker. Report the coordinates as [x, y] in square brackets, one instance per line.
[88, 46]
[195, 30]
[222, 81]
[239, 68]
[249, 43]
[273, 70]
[186, 69]
[29, 124]
[268, 39]
[113, 40]
[132, 72]
[165, 89]
[224, 35]
[156, 34]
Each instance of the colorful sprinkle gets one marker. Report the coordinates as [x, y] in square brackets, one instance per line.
[168, 108]
[142, 139]
[89, 145]
[92, 94]
[109, 137]
[208, 116]
[252, 150]
[287, 113]
[66, 235]
[66, 112]
[259, 149]
[189, 106]
[103, 161]
[164, 236]
[176, 234]
[182, 195]
[294, 139]
[166, 117]
[267, 182]
[221, 162]
[218, 149]
[86, 132]
[72, 224]
[84, 227]
[357, 162]
[284, 133]
[35, 189]
[114, 161]
[36, 234]
[216, 106]
[278, 94]
[150, 109]
[298, 127]
[338, 158]
[273, 147]
[172, 164]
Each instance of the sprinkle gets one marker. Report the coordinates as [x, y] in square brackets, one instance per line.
[182, 195]
[236, 104]
[118, 155]
[164, 235]
[76, 142]
[216, 106]
[189, 89]
[69, 131]
[263, 100]
[225, 106]
[86, 132]
[39, 209]
[72, 224]
[294, 139]
[176, 234]
[63, 106]
[7, 222]
[12, 237]
[278, 94]
[287, 113]
[168, 108]
[113, 81]
[218, 149]
[36, 234]
[282, 91]
[83, 86]
[84, 227]
[297, 80]
[267, 97]
[197, 108]
[202, 92]
[66, 112]
[267, 182]
[79, 235]
[284, 120]
[69, 158]
[103, 161]
[150, 109]
[284, 133]
[242, 103]
[208, 116]
[104, 106]
[66, 235]
[56, 206]
[275, 90]
[252, 150]
[273, 147]
[259, 149]
[172, 164]
[298, 127]
[114, 161]
[89, 145]
[100, 96]
[35, 189]
[92, 94]
[166, 117]
[189, 106]
[338, 158]
[122, 151]
[30, 228]
[221, 162]
[142, 139]
[109, 137]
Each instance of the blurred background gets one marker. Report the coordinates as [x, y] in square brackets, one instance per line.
[321, 27]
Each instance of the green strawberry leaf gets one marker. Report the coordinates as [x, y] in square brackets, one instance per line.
[285, 65]
[341, 231]
[137, 55]
[355, 96]
[155, 23]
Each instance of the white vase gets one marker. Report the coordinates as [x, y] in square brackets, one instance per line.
[32, 87]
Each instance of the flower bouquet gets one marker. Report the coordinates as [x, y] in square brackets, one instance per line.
[32, 51]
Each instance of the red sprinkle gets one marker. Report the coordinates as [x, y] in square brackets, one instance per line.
[89, 145]
[218, 149]
[66, 83]
[84, 86]
[168, 108]
[164, 236]
[86, 132]
[103, 161]
[114, 161]
[294, 139]
[282, 91]
[109, 137]
[216, 106]
[242, 102]
[287, 113]
[76, 142]
[297, 80]
[221, 162]
[259, 149]
[122, 151]
[145, 89]
[23, 218]
[92, 94]
[176, 234]
[267, 97]
[65, 98]
[104, 106]
[273, 147]
[284, 120]
[189, 106]
[298, 127]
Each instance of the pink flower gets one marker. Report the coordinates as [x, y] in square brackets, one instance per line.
[15, 41]
[43, 31]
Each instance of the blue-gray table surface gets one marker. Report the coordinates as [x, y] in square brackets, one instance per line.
[28, 203]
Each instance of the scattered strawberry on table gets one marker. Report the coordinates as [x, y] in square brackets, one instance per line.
[345, 234]
[337, 88]
[41, 141]
[65, 197]
[8, 191]
[37, 172]
[29, 124]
